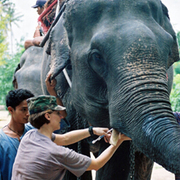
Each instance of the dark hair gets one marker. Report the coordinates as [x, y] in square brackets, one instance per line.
[37, 120]
[15, 97]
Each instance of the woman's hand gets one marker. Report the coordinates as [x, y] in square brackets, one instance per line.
[52, 91]
[102, 131]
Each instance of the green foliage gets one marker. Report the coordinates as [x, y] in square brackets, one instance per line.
[176, 68]
[175, 94]
[178, 40]
[177, 64]
[3, 33]
[7, 71]
[8, 62]
[8, 16]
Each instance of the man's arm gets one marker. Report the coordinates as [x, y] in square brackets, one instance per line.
[37, 31]
[28, 43]
[51, 90]
[37, 40]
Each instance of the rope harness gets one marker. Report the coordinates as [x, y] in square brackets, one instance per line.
[64, 70]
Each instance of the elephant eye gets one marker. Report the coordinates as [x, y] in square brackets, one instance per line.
[97, 58]
[97, 63]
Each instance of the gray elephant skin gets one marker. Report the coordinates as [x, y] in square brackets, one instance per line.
[28, 72]
[120, 52]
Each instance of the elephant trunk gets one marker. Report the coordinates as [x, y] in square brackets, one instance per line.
[58, 48]
[144, 114]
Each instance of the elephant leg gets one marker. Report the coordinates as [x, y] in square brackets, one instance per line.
[118, 166]
[143, 166]
[68, 174]
[86, 151]
[83, 148]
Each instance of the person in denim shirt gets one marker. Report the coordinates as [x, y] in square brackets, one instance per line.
[12, 133]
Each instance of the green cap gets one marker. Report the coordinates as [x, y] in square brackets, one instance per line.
[43, 103]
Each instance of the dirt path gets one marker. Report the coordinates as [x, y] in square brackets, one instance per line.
[159, 173]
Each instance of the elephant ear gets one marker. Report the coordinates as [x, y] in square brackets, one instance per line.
[174, 55]
[59, 48]
[14, 82]
[20, 64]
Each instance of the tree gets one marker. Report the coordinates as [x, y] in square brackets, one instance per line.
[177, 64]
[12, 17]
[178, 39]
[8, 62]
[7, 71]
[3, 33]
[175, 93]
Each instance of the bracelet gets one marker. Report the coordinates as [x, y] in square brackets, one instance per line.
[91, 130]
[53, 137]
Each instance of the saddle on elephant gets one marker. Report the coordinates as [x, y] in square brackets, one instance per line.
[48, 15]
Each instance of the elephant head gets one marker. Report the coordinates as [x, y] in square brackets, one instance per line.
[27, 73]
[120, 52]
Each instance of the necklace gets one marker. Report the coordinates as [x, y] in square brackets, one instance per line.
[14, 131]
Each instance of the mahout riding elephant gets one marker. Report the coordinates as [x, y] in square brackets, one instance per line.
[119, 52]
[28, 71]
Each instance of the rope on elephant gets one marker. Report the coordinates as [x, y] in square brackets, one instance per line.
[62, 8]
[48, 15]
[132, 161]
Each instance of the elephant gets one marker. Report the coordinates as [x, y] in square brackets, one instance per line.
[28, 71]
[117, 54]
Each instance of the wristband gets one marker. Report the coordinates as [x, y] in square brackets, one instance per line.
[53, 137]
[91, 130]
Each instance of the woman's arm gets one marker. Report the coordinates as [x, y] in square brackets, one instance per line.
[78, 135]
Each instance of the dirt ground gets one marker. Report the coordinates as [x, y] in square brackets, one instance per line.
[159, 173]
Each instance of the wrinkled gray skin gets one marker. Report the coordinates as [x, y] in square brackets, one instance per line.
[120, 52]
[27, 74]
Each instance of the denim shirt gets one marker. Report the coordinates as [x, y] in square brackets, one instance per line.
[8, 150]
